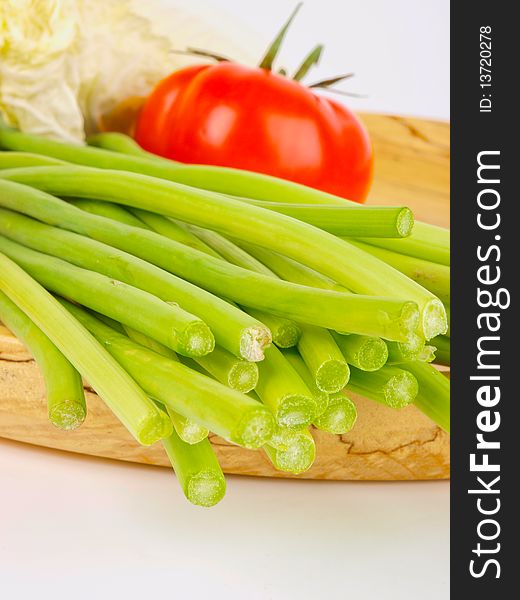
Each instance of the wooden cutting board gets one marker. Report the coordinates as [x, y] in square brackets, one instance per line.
[412, 168]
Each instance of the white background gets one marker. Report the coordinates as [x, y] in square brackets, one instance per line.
[88, 528]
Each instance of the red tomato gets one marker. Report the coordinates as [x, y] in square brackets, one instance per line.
[251, 118]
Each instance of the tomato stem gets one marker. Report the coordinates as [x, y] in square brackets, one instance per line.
[274, 48]
[310, 60]
[203, 53]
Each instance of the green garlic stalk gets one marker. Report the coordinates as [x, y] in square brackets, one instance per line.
[117, 389]
[226, 412]
[65, 397]
[387, 318]
[391, 386]
[197, 470]
[167, 323]
[362, 351]
[343, 262]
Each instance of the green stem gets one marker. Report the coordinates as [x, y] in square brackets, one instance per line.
[187, 429]
[390, 319]
[274, 48]
[293, 271]
[236, 331]
[65, 397]
[324, 359]
[298, 364]
[362, 351]
[285, 333]
[15, 160]
[241, 375]
[107, 210]
[340, 416]
[427, 241]
[433, 398]
[197, 469]
[173, 231]
[431, 275]
[349, 221]
[391, 386]
[282, 390]
[298, 455]
[230, 251]
[313, 58]
[343, 262]
[120, 143]
[220, 409]
[119, 391]
[165, 322]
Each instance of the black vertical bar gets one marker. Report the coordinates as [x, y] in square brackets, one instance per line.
[484, 120]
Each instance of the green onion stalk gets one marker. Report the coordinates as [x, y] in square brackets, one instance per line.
[291, 270]
[64, 388]
[298, 364]
[392, 386]
[387, 318]
[433, 398]
[234, 330]
[228, 413]
[16, 160]
[285, 333]
[165, 322]
[197, 469]
[432, 276]
[348, 221]
[426, 241]
[187, 429]
[340, 415]
[323, 359]
[236, 373]
[114, 385]
[414, 349]
[362, 351]
[343, 262]
[108, 210]
[297, 456]
[283, 391]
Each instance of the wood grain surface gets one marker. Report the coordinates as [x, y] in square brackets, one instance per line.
[412, 168]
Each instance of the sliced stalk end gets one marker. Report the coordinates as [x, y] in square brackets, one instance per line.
[287, 335]
[253, 343]
[243, 376]
[372, 355]
[296, 411]
[196, 340]
[340, 416]
[206, 488]
[332, 376]
[255, 429]
[322, 401]
[404, 222]
[434, 319]
[400, 390]
[67, 415]
[297, 457]
[192, 433]
[403, 326]
[427, 354]
[156, 426]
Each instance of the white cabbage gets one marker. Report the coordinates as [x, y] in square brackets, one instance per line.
[64, 63]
